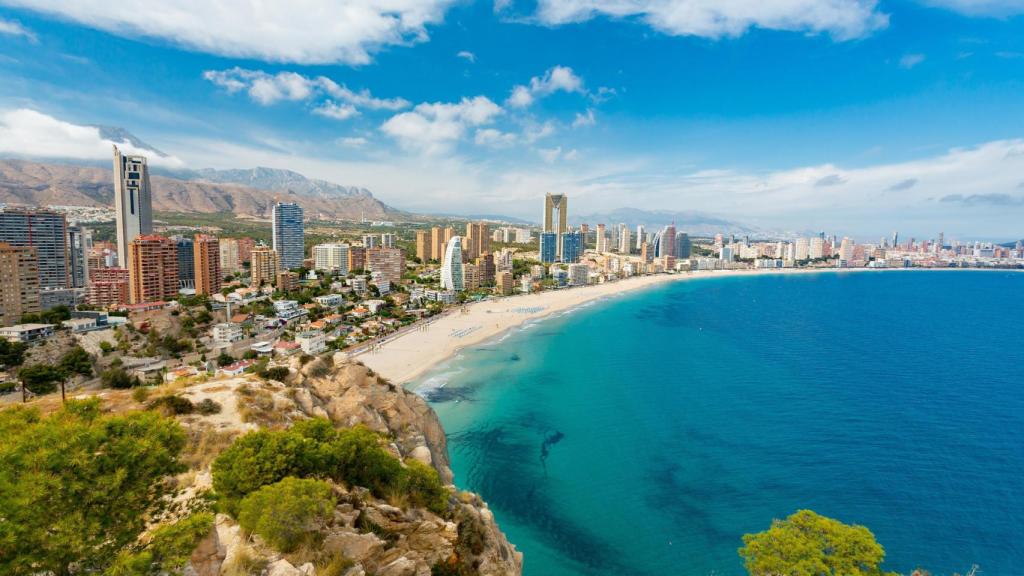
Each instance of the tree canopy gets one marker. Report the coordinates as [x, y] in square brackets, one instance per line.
[808, 544]
[76, 486]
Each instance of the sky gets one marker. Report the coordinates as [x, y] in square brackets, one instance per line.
[853, 117]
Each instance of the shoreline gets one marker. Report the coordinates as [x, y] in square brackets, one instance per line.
[407, 356]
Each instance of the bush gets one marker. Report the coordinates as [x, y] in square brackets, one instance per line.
[424, 487]
[172, 405]
[168, 550]
[40, 378]
[278, 373]
[76, 361]
[140, 394]
[285, 514]
[258, 459]
[207, 407]
[225, 359]
[117, 377]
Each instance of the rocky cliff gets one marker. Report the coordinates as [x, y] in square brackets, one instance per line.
[379, 537]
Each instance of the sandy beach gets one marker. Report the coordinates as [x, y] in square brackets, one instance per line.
[406, 356]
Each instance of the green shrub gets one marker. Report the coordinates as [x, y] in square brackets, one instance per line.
[424, 487]
[172, 405]
[278, 373]
[8, 387]
[76, 361]
[258, 459]
[208, 406]
[117, 377]
[40, 378]
[168, 550]
[285, 514]
[140, 394]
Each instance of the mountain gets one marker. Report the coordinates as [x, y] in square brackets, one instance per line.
[694, 223]
[120, 136]
[36, 183]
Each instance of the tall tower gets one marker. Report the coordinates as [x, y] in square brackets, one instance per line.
[207, 264]
[556, 218]
[152, 269]
[451, 266]
[289, 234]
[133, 201]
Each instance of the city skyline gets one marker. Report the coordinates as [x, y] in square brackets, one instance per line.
[854, 115]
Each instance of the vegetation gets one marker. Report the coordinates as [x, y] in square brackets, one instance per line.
[168, 551]
[12, 353]
[76, 361]
[54, 315]
[117, 377]
[77, 486]
[314, 449]
[807, 544]
[278, 373]
[40, 378]
[285, 514]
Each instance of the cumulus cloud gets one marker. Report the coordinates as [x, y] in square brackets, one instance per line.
[556, 79]
[494, 138]
[467, 55]
[902, 185]
[908, 61]
[435, 127]
[582, 120]
[267, 89]
[552, 155]
[313, 32]
[29, 133]
[842, 19]
[353, 141]
[12, 28]
[997, 8]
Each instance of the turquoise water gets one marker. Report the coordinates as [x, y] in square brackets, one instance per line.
[645, 434]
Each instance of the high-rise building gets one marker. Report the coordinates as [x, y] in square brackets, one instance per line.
[437, 243]
[846, 250]
[265, 266]
[667, 244]
[548, 247]
[802, 249]
[572, 246]
[287, 281]
[245, 246]
[387, 240]
[602, 239]
[683, 246]
[386, 264]
[79, 245]
[451, 266]
[331, 258]
[423, 245]
[641, 235]
[817, 248]
[46, 232]
[556, 218]
[133, 201]
[487, 269]
[289, 234]
[230, 261]
[186, 261]
[152, 269]
[625, 246]
[108, 286]
[470, 276]
[477, 241]
[19, 283]
[207, 264]
[504, 283]
[370, 241]
[579, 274]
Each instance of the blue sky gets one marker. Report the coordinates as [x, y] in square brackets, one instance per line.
[842, 115]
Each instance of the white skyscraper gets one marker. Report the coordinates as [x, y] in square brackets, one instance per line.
[624, 244]
[451, 266]
[802, 249]
[331, 258]
[133, 201]
[641, 236]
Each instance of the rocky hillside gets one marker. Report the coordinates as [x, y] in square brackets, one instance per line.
[379, 537]
[34, 183]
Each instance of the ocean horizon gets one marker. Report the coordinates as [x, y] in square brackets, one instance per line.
[646, 433]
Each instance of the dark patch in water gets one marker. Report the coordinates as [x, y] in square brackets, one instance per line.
[451, 394]
[545, 448]
[514, 358]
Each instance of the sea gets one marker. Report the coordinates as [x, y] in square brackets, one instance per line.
[645, 434]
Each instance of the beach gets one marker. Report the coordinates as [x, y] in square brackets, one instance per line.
[406, 356]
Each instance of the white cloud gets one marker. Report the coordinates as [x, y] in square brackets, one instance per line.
[311, 32]
[842, 19]
[551, 155]
[534, 132]
[467, 55]
[434, 127]
[353, 141]
[28, 133]
[908, 61]
[336, 111]
[267, 89]
[996, 8]
[584, 119]
[556, 79]
[12, 28]
[493, 138]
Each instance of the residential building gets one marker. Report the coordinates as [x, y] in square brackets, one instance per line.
[331, 258]
[265, 266]
[423, 245]
[802, 249]
[186, 262]
[228, 332]
[356, 258]
[451, 266]
[504, 283]
[470, 276]
[579, 274]
[312, 341]
[26, 333]
[386, 264]
[437, 243]
[152, 269]
[245, 247]
[625, 246]
[548, 247]
[683, 246]
[288, 234]
[601, 239]
[556, 219]
[817, 247]
[487, 269]
[79, 244]
[46, 232]
[641, 236]
[572, 246]
[133, 202]
[288, 310]
[207, 264]
[230, 261]
[477, 241]
[287, 281]
[387, 240]
[19, 283]
[107, 287]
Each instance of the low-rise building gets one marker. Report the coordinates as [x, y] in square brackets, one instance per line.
[312, 341]
[227, 332]
[330, 300]
[26, 333]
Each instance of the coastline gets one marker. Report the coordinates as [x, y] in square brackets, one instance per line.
[407, 356]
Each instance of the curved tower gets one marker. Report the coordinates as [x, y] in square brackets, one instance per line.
[451, 266]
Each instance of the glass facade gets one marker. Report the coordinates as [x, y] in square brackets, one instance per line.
[289, 235]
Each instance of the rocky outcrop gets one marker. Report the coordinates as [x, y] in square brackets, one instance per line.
[376, 536]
